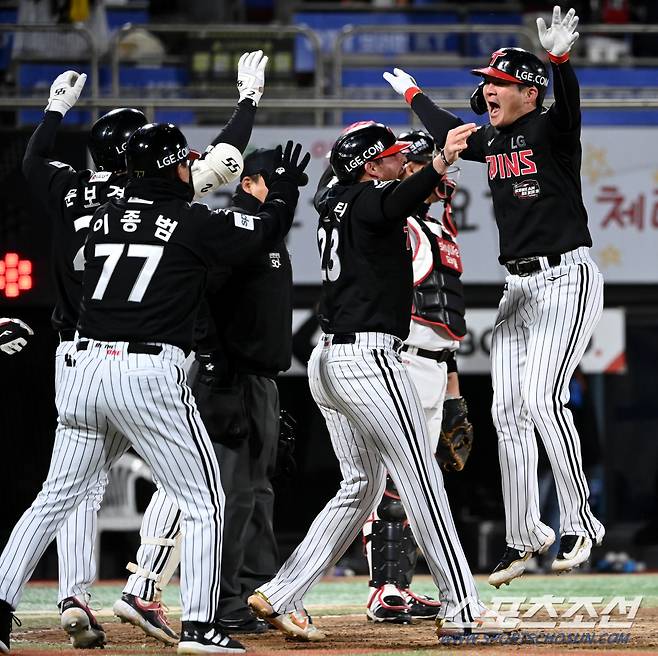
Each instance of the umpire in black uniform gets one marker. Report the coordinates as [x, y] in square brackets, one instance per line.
[239, 354]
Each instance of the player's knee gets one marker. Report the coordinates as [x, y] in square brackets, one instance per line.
[538, 402]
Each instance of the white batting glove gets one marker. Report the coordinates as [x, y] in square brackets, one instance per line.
[65, 91]
[561, 35]
[402, 83]
[13, 335]
[251, 75]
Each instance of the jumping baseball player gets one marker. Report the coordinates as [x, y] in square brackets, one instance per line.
[436, 328]
[71, 198]
[553, 294]
[147, 258]
[375, 418]
[14, 334]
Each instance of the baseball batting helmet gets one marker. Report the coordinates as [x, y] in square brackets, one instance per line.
[421, 146]
[155, 149]
[109, 135]
[519, 66]
[359, 145]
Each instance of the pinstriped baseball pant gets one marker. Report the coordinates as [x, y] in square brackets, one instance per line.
[543, 326]
[76, 538]
[110, 399]
[376, 424]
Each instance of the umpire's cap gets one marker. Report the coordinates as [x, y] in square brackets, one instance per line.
[109, 135]
[362, 144]
[518, 66]
[421, 146]
[155, 149]
[259, 162]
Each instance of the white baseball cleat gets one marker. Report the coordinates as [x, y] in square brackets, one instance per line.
[574, 551]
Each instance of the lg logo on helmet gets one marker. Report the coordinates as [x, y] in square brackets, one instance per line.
[535, 79]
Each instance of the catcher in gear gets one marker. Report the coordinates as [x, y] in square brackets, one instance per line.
[437, 326]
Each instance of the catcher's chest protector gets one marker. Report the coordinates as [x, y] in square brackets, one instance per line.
[438, 296]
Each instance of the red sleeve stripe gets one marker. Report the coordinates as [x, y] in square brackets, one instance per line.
[558, 60]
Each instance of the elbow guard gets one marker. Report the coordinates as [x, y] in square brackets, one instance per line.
[220, 165]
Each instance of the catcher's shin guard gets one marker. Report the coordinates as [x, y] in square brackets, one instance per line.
[383, 535]
[408, 557]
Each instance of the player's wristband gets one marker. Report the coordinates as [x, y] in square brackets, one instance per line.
[443, 157]
[410, 93]
[558, 59]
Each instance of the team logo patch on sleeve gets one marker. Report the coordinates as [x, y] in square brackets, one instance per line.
[244, 221]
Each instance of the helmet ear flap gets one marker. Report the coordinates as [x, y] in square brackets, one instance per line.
[478, 103]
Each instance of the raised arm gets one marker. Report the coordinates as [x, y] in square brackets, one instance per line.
[437, 121]
[222, 162]
[557, 40]
[405, 198]
[39, 168]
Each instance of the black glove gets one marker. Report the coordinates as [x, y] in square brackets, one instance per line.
[13, 335]
[285, 454]
[478, 103]
[287, 165]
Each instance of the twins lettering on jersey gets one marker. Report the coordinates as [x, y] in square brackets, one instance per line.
[510, 165]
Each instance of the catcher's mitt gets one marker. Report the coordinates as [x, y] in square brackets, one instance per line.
[456, 437]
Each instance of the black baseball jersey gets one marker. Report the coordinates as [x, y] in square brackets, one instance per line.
[533, 166]
[367, 278]
[250, 308]
[147, 258]
[70, 197]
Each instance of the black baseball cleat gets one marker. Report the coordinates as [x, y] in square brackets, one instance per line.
[421, 607]
[514, 562]
[239, 625]
[386, 604]
[574, 551]
[149, 616]
[206, 638]
[80, 624]
[6, 618]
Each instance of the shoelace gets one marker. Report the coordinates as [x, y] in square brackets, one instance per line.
[15, 620]
[161, 610]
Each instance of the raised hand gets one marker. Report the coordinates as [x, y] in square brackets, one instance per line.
[561, 35]
[65, 91]
[401, 81]
[251, 75]
[288, 165]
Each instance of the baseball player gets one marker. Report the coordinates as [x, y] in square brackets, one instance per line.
[71, 197]
[553, 294]
[14, 334]
[436, 328]
[238, 354]
[147, 258]
[374, 415]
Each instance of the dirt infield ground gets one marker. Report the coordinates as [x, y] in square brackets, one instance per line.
[352, 634]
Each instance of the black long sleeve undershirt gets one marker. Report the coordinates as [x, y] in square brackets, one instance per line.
[406, 196]
[237, 131]
[42, 143]
[436, 120]
[565, 111]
